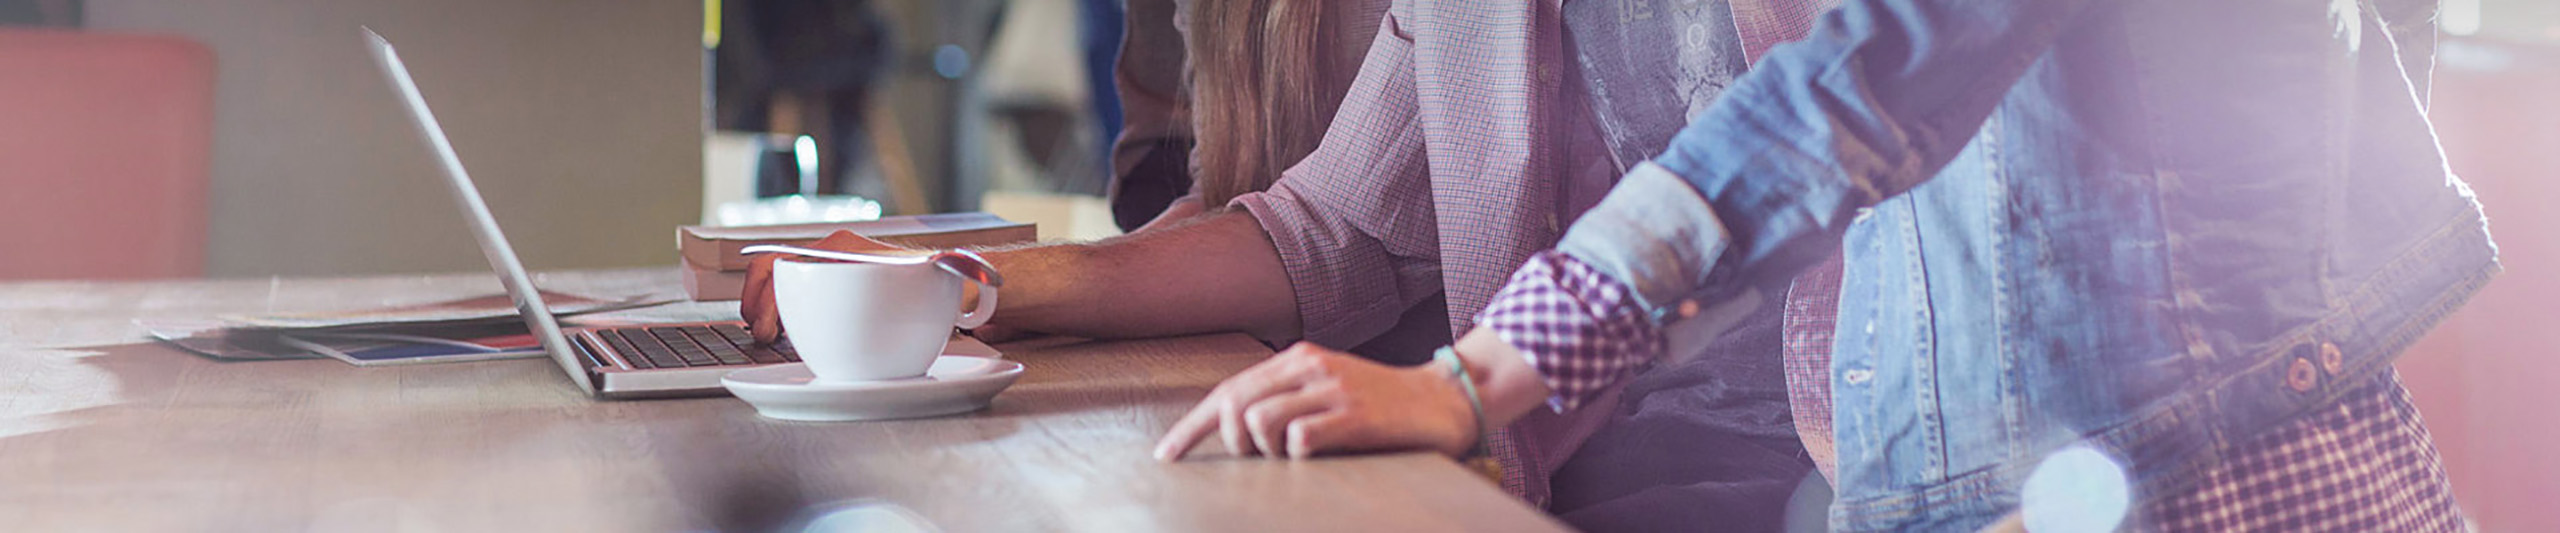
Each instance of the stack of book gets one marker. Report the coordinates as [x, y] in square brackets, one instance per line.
[714, 270]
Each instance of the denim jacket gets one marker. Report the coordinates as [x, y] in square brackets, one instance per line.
[2146, 227]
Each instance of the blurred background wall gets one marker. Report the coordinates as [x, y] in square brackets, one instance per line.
[2486, 378]
[588, 123]
[581, 120]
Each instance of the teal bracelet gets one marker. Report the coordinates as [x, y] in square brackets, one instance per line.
[1467, 383]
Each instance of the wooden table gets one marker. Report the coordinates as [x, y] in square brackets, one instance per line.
[101, 431]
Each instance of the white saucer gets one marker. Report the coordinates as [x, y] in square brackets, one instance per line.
[955, 384]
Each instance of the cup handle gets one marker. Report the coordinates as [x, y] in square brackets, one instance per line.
[986, 307]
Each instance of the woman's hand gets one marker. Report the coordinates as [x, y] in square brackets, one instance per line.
[756, 305]
[1309, 399]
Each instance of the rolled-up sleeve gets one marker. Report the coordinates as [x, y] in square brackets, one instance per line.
[1653, 233]
[1353, 222]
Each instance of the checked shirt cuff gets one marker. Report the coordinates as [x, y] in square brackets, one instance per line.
[1581, 330]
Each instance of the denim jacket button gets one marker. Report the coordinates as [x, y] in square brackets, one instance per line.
[2301, 376]
[2332, 360]
[1688, 308]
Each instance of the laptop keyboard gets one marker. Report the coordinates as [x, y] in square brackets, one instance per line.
[694, 346]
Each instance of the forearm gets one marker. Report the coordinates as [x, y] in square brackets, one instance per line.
[1214, 273]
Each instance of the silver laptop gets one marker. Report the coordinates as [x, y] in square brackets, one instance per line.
[655, 360]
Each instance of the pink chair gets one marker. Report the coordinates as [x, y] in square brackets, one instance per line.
[105, 145]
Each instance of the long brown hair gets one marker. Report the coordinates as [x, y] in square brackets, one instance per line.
[1262, 91]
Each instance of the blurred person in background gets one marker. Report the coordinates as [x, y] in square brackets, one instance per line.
[1220, 97]
[806, 67]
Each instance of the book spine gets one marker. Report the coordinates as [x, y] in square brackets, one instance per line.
[694, 251]
[723, 254]
[710, 284]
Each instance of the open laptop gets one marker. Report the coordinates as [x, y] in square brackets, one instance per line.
[655, 360]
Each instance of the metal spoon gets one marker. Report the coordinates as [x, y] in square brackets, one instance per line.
[963, 263]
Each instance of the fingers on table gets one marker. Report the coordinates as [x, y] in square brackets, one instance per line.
[1225, 410]
[1187, 431]
[1270, 421]
[1280, 382]
[1319, 432]
[1231, 426]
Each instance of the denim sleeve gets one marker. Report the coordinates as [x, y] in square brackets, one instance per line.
[1652, 233]
[1873, 102]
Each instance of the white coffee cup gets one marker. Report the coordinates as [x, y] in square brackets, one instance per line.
[870, 321]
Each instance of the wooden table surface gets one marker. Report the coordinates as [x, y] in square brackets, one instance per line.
[100, 430]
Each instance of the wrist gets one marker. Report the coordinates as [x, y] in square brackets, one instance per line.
[1467, 406]
[1507, 386]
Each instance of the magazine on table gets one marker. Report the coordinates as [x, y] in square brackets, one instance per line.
[469, 329]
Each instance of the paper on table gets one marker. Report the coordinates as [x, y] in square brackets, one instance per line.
[211, 339]
[263, 337]
[375, 349]
[497, 306]
[403, 343]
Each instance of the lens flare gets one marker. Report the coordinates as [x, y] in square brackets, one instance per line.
[2076, 489]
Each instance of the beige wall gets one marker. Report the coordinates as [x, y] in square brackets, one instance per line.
[581, 119]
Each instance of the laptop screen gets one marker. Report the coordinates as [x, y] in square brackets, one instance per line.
[484, 227]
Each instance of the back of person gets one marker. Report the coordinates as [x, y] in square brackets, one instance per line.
[2189, 221]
